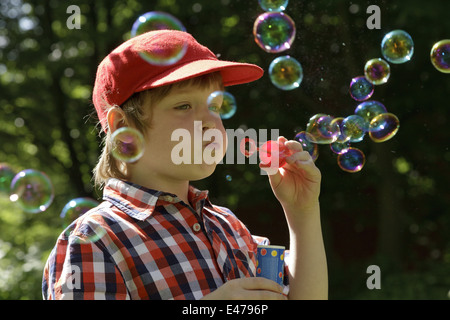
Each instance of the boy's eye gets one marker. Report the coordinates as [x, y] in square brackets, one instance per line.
[183, 107]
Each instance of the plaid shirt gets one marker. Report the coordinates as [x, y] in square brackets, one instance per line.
[146, 244]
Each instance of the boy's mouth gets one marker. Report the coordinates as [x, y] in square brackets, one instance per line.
[212, 144]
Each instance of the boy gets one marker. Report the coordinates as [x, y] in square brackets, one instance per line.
[155, 236]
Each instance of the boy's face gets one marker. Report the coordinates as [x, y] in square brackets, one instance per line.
[183, 111]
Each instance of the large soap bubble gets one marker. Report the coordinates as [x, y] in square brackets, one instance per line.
[127, 144]
[273, 5]
[76, 208]
[397, 46]
[352, 160]
[286, 73]
[377, 71]
[383, 127]
[274, 32]
[440, 56]
[32, 190]
[222, 102]
[155, 20]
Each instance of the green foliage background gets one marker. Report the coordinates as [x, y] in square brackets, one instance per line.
[394, 213]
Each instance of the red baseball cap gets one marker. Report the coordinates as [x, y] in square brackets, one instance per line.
[123, 72]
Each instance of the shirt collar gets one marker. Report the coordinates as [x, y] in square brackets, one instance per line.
[140, 202]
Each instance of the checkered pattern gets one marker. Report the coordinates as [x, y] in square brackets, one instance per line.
[146, 244]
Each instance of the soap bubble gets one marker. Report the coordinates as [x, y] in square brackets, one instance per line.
[323, 129]
[228, 177]
[397, 46]
[354, 127]
[222, 102]
[274, 32]
[440, 56]
[273, 5]
[32, 190]
[352, 160]
[361, 89]
[155, 20]
[286, 73]
[340, 147]
[306, 140]
[76, 208]
[128, 144]
[341, 137]
[166, 55]
[383, 127]
[6, 176]
[370, 109]
[377, 71]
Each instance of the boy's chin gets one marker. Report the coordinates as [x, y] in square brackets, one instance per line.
[201, 171]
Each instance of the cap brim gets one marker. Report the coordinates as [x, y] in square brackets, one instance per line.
[233, 73]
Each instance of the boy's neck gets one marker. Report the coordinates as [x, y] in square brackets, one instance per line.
[180, 187]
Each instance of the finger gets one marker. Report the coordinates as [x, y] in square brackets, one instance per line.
[298, 156]
[282, 140]
[267, 295]
[273, 174]
[294, 145]
[309, 168]
[259, 283]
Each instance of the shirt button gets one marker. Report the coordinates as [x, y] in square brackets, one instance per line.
[196, 227]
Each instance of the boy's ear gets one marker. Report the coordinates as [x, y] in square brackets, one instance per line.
[116, 119]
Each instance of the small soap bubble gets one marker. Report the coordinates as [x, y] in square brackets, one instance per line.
[273, 5]
[440, 56]
[286, 73]
[222, 102]
[305, 140]
[155, 20]
[6, 176]
[323, 129]
[127, 144]
[352, 160]
[274, 32]
[354, 127]
[383, 127]
[228, 177]
[377, 71]
[360, 88]
[32, 190]
[370, 109]
[248, 147]
[397, 47]
[76, 208]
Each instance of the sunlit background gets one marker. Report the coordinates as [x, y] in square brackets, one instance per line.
[392, 212]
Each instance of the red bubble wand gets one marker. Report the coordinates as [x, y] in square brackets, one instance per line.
[270, 152]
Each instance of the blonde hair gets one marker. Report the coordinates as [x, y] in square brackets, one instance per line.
[137, 111]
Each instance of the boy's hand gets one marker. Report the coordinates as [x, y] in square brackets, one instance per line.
[297, 184]
[248, 289]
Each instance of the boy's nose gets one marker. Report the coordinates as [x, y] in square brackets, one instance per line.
[204, 124]
[208, 119]
[208, 124]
